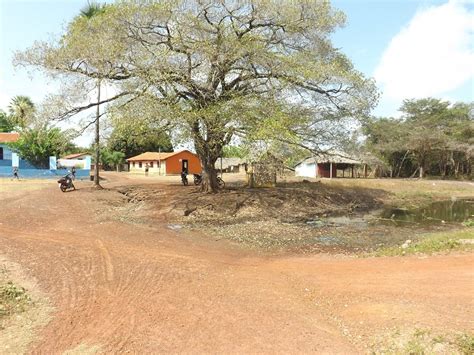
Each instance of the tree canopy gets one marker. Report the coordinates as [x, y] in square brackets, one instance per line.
[36, 145]
[431, 136]
[261, 70]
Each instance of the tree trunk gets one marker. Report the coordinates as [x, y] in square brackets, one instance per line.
[209, 176]
[97, 140]
[421, 172]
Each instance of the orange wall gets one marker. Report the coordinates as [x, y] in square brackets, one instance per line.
[173, 165]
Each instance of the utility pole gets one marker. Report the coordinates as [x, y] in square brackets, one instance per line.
[97, 138]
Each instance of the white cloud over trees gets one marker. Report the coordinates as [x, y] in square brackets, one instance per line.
[432, 55]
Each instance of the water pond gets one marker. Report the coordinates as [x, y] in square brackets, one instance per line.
[458, 210]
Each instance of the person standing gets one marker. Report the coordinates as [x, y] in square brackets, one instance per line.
[147, 167]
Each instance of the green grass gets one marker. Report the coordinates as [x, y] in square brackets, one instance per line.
[13, 299]
[433, 243]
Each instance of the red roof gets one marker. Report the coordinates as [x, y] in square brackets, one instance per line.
[75, 155]
[9, 137]
[154, 156]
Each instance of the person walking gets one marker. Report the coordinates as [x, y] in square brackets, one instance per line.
[15, 173]
[147, 167]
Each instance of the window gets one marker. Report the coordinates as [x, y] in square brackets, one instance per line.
[140, 164]
[1, 153]
[151, 164]
[133, 163]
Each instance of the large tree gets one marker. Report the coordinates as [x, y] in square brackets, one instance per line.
[261, 69]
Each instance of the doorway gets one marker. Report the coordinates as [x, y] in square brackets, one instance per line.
[184, 165]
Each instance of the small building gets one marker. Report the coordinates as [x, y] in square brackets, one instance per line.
[165, 163]
[230, 165]
[78, 160]
[326, 165]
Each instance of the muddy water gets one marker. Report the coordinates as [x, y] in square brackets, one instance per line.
[440, 212]
[437, 212]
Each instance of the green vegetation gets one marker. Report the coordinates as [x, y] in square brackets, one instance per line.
[136, 134]
[433, 243]
[13, 299]
[37, 144]
[424, 341]
[433, 137]
[469, 222]
[112, 159]
[465, 343]
[213, 71]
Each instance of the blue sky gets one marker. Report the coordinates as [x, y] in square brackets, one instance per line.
[412, 48]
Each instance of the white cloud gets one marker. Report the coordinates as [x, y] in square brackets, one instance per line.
[431, 56]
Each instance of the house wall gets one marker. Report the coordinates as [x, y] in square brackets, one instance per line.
[174, 163]
[307, 170]
[7, 153]
[156, 169]
[26, 170]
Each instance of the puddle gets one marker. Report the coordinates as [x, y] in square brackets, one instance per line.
[438, 212]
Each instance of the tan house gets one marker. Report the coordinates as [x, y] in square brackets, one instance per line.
[165, 163]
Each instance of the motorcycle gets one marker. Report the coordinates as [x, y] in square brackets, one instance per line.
[184, 178]
[66, 183]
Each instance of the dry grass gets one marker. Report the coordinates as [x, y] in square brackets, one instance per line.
[28, 309]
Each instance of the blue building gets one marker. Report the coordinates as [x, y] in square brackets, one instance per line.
[10, 160]
[6, 155]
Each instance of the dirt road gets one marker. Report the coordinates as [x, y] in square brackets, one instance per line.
[119, 287]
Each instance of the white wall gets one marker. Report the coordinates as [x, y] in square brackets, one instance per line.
[308, 170]
[154, 170]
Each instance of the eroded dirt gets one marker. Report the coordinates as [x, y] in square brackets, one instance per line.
[121, 283]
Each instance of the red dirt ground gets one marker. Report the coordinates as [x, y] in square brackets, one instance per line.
[140, 288]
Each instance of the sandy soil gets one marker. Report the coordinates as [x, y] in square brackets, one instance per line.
[143, 287]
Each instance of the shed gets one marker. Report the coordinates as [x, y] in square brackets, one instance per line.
[326, 165]
[165, 163]
[230, 165]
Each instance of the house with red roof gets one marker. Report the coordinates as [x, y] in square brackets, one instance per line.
[165, 163]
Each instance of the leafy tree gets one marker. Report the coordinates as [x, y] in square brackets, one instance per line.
[36, 145]
[136, 134]
[261, 70]
[234, 151]
[5, 123]
[432, 136]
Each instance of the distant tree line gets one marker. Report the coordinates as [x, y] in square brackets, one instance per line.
[433, 137]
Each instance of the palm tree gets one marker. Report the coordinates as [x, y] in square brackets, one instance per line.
[113, 159]
[21, 111]
[94, 9]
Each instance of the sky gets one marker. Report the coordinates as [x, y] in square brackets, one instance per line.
[412, 48]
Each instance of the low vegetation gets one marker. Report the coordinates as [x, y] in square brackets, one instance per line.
[13, 298]
[460, 240]
[424, 341]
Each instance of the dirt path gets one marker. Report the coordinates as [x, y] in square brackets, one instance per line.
[119, 287]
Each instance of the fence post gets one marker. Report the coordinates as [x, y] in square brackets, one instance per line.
[15, 160]
[52, 163]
